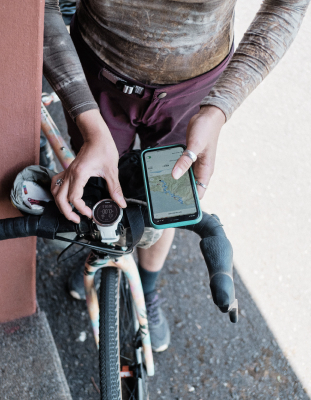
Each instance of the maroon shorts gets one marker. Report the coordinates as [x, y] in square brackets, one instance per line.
[159, 116]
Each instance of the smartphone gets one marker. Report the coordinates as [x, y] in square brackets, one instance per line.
[171, 202]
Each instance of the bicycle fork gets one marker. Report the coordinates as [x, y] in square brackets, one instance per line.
[127, 264]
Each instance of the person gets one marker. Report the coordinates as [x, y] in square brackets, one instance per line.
[165, 70]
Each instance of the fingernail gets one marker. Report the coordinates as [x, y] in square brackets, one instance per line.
[121, 201]
[177, 173]
[88, 213]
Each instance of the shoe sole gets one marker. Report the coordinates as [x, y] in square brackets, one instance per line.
[161, 348]
[76, 295]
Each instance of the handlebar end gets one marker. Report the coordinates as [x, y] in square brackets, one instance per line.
[222, 288]
[234, 312]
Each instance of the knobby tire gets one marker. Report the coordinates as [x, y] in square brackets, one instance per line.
[117, 329]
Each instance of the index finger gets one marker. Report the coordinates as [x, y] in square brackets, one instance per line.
[61, 200]
[75, 193]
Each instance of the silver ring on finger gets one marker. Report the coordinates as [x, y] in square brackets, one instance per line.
[201, 184]
[59, 182]
[190, 154]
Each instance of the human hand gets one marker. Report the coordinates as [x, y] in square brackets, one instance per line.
[202, 138]
[98, 157]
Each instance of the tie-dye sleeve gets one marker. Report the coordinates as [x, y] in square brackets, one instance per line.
[61, 64]
[263, 45]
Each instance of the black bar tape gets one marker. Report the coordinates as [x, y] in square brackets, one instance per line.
[48, 222]
[209, 225]
[218, 255]
[12, 228]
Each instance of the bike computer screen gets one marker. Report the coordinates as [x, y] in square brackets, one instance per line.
[106, 212]
[171, 201]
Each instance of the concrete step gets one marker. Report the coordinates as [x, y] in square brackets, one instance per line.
[30, 367]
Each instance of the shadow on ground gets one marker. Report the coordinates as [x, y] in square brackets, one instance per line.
[209, 358]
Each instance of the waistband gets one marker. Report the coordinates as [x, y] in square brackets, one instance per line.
[102, 70]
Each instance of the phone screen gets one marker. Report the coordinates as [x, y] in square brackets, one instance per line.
[171, 200]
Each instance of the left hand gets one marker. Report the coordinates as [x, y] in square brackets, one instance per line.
[202, 138]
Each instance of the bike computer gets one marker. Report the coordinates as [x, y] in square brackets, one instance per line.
[107, 215]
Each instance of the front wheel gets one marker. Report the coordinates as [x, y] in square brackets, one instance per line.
[122, 374]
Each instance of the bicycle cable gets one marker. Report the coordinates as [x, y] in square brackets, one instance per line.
[65, 250]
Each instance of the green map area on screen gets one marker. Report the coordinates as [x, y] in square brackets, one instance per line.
[179, 190]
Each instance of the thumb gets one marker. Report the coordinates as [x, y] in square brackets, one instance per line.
[184, 163]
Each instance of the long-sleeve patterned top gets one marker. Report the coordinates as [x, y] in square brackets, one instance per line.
[165, 42]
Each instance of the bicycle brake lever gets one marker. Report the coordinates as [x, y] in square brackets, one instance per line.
[102, 247]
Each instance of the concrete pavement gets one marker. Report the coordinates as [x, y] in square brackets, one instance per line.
[261, 189]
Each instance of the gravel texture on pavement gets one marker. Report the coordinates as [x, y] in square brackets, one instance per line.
[209, 358]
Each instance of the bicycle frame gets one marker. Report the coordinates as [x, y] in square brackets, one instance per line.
[55, 139]
[127, 264]
[94, 261]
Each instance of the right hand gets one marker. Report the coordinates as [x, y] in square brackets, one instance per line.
[202, 137]
[97, 157]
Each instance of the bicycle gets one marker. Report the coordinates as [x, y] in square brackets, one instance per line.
[119, 319]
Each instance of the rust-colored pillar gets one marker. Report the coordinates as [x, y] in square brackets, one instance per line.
[21, 42]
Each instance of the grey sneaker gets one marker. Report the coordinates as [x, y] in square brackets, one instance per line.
[158, 326]
[76, 283]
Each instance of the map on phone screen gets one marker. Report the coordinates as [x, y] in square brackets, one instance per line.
[169, 196]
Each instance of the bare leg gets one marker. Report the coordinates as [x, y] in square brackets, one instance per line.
[152, 259]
